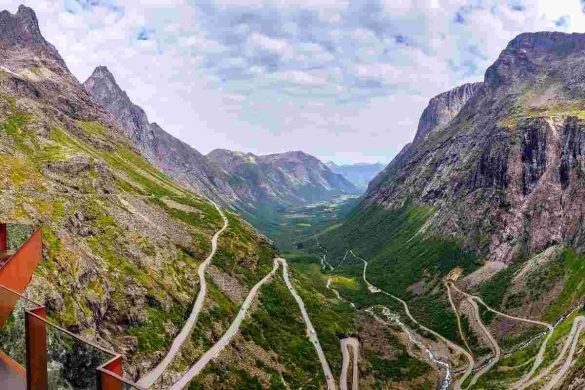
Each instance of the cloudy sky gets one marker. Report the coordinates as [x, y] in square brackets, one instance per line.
[345, 80]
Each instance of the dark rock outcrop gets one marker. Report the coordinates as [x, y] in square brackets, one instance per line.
[21, 30]
[573, 153]
[533, 152]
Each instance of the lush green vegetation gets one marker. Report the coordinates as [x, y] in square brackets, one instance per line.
[573, 283]
[401, 368]
[332, 319]
[226, 377]
[399, 254]
[234, 249]
[151, 334]
[277, 325]
[288, 227]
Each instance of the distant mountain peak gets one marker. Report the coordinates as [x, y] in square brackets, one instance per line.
[103, 71]
[103, 79]
[21, 30]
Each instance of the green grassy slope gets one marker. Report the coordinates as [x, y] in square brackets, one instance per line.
[122, 240]
[399, 254]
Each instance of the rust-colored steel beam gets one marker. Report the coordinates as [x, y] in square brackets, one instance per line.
[17, 272]
[36, 349]
[3, 238]
[107, 381]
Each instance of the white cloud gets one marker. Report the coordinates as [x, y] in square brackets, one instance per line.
[301, 78]
[260, 42]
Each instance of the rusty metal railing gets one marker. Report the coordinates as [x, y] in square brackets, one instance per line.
[32, 343]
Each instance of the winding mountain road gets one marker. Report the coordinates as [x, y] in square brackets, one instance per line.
[571, 342]
[373, 289]
[150, 378]
[539, 356]
[346, 344]
[492, 340]
[311, 333]
[214, 351]
[459, 327]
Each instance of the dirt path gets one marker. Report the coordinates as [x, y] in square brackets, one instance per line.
[214, 351]
[150, 378]
[459, 327]
[346, 344]
[374, 290]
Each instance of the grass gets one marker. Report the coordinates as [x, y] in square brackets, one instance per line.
[332, 319]
[276, 325]
[573, 283]
[151, 334]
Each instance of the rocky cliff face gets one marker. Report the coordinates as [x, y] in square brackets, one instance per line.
[289, 178]
[21, 31]
[442, 108]
[505, 173]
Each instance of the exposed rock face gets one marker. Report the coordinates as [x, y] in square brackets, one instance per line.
[287, 178]
[21, 30]
[505, 173]
[168, 153]
[442, 108]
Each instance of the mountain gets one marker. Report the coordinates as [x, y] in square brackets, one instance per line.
[443, 108]
[289, 178]
[492, 189]
[358, 174]
[174, 157]
[250, 184]
[511, 154]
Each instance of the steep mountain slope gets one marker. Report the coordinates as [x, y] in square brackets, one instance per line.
[359, 174]
[506, 172]
[491, 190]
[289, 178]
[172, 156]
[442, 108]
[122, 240]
